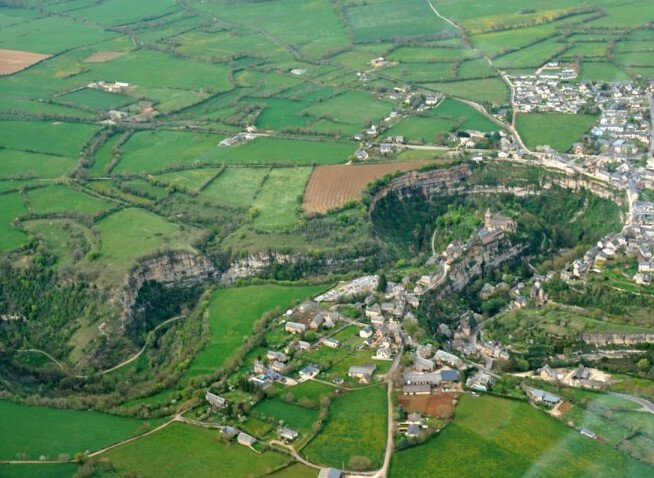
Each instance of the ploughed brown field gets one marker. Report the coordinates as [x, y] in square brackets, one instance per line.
[12, 61]
[437, 404]
[102, 56]
[332, 186]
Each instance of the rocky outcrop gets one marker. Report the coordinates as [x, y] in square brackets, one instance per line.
[478, 261]
[252, 265]
[617, 339]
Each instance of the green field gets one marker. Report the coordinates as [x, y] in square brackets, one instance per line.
[375, 21]
[180, 451]
[279, 199]
[495, 437]
[157, 150]
[95, 99]
[12, 206]
[20, 164]
[492, 90]
[38, 431]
[356, 427]
[64, 139]
[40, 470]
[558, 130]
[131, 233]
[190, 179]
[236, 186]
[64, 199]
[293, 416]
[232, 312]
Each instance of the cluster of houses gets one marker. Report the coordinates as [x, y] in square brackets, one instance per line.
[423, 377]
[580, 377]
[543, 91]
[624, 128]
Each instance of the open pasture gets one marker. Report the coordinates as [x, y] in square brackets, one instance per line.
[293, 416]
[190, 179]
[236, 186]
[184, 451]
[51, 34]
[384, 21]
[491, 90]
[467, 117]
[154, 69]
[131, 233]
[11, 207]
[123, 12]
[352, 107]
[233, 312]
[64, 199]
[515, 440]
[36, 431]
[280, 151]
[12, 61]
[312, 26]
[280, 198]
[45, 137]
[20, 164]
[332, 186]
[151, 151]
[356, 426]
[95, 99]
[560, 131]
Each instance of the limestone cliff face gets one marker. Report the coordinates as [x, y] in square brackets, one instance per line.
[180, 269]
[252, 265]
[458, 180]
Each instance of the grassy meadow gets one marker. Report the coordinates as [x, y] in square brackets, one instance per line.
[558, 130]
[345, 436]
[36, 431]
[496, 437]
[232, 313]
[184, 451]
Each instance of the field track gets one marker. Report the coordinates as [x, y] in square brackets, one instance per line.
[332, 186]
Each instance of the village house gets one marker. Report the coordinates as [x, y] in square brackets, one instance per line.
[423, 365]
[274, 355]
[295, 328]
[366, 332]
[416, 389]
[288, 434]
[331, 342]
[245, 439]
[216, 401]
[317, 322]
[448, 358]
[541, 396]
[362, 371]
[310, 371]
[231, 432]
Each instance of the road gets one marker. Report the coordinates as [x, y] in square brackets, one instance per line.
[505, 78]
[383, 472]
[647, 405]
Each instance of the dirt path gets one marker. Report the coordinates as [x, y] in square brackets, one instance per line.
[138, 354]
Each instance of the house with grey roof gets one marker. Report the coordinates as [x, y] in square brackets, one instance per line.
[245, 439]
